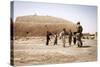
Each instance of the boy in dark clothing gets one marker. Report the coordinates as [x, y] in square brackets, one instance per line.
[74, 38]
[55, 41]
[48, 37]
[70, 37]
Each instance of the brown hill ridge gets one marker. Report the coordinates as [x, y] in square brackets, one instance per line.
[38, 25]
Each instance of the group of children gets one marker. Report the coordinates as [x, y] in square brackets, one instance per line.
[61, 36]
[76, 36]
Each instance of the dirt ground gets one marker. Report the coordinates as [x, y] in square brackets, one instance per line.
[32, 50]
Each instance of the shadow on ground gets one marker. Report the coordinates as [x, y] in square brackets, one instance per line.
[85, 46]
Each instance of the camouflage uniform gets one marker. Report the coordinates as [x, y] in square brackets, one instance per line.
[79, 35]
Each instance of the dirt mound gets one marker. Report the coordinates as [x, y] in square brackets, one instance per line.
[38, 25]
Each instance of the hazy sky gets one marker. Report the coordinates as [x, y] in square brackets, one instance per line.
[87, 15]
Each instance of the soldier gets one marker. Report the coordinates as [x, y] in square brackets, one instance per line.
[70, 37]
[79, 34]
[48, 37]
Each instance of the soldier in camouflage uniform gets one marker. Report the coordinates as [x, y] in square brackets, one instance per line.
[79, 34]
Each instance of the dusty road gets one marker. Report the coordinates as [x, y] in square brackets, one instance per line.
[32, 50]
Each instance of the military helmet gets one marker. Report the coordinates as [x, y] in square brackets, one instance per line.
[78, 22]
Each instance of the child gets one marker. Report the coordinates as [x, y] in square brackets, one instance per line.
[74, 38]
[48, 37]
[70, 37]
[55, 41]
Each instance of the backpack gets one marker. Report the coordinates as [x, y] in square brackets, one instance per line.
[80, 29]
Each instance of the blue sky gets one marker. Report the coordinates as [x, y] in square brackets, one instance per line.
[87, 15]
